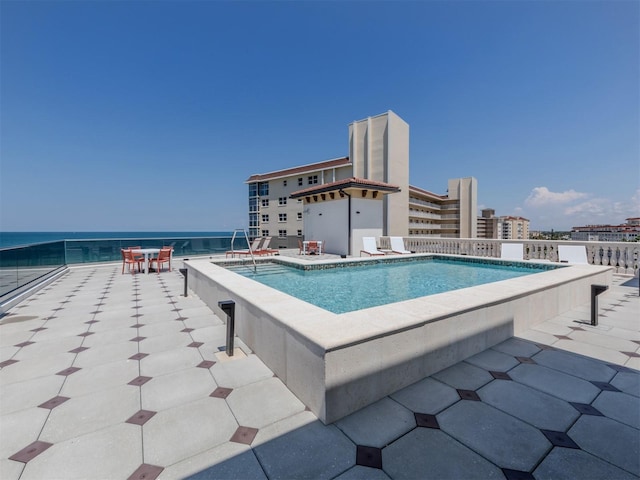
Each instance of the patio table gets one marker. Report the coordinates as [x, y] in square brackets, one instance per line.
[147, 252]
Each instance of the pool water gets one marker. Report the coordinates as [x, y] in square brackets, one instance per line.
[356, 287]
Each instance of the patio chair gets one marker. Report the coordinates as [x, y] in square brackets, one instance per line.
[369, 247]
[129, 259]
[138, 256]
[512, 251]
[312, 247]
[397, 245]
[253, 248]
[576, 254]
[265, 250]
[164, 256]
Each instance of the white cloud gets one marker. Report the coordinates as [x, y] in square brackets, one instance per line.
[540, 196]
[563, 210]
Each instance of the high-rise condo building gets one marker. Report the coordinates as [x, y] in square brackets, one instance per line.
[378, 151]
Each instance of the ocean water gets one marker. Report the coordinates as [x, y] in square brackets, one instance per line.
[12, 239]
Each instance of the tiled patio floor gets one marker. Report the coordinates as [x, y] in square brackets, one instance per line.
[111, 376]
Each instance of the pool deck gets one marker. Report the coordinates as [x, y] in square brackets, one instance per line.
[109, 376]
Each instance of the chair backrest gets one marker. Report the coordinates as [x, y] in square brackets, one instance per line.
[127, 254]
[397, 244]
[255, 245]
[512, 251]
[573, 254]
[165, 253]
[369, 244]
[265, 244]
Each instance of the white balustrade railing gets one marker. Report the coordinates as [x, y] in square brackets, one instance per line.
[624, 257]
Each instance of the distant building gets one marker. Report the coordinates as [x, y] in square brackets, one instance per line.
[487, 224]
[505, 228]
[627, 232]
[378, 152]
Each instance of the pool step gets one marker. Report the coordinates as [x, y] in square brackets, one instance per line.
[262, 269]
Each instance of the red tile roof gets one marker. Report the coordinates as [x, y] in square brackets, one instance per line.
[352, 182]
[312, 167]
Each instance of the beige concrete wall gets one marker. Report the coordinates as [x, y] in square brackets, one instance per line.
[379, 150]
[465, 190]
[337, 364]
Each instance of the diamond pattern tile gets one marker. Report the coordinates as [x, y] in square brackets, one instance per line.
[369, 456]
[54, 402]
[138, 325]
[29, 452]
[24, 344]
[426, 420]
[140, 417]
[244, 435]
[138, 356]
[68, 371]
[138, 381]
[6, 363]
[562, 337]
[500, 375]
[146, 472]
[586, 409]
[85, 334]
[605, 386]
[559, 439]
[195, 344]
[528, 360]
[468, 395]
[517, 475]
[79, 349]
[631, 354]
[206, 364]
[137, 339]
[221, 392]
[187, 330]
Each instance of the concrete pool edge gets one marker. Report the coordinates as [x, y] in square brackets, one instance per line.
[337, 364]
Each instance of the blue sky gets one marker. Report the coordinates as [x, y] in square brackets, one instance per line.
[151, 115]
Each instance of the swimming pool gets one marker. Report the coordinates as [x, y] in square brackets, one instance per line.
[353, 286]
[338, 363]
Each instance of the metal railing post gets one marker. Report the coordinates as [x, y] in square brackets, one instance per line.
[229, 308]
[595, 291]
[184, 272]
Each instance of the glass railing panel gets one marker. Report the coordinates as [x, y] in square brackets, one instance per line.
[20, 266]
[109, 250]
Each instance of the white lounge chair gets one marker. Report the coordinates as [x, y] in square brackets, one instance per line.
[573, 254]
[512, 251]
[253, 249]
[369, 246]
[397, 245]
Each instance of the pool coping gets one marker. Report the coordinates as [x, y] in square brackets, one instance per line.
[339, 363]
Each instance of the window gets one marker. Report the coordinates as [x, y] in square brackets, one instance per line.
[263, 189]
[282, 217]
[265, 233]
[284, 183]
[253, 219]
[313, 179]
[300, 181]
[265, 202]
[253, 189]
[282, 233]
[253, 204]
[299, 215]
[282, 201]
[265, 218]
[299, 233]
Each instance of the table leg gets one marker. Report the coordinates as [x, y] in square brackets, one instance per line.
[146, 263]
